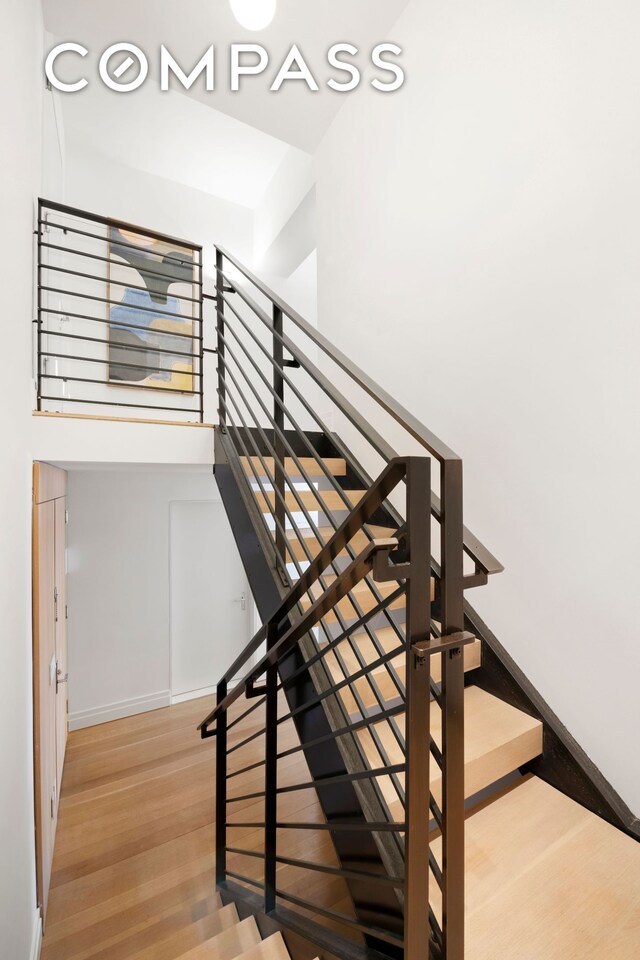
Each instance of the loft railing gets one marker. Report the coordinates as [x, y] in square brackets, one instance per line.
[274, 401]
[119, 322]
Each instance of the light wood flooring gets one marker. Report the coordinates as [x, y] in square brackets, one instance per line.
[133, 873]
[133, 870]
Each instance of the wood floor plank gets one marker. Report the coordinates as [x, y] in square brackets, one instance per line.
[109, 849]
[76, 940]
[130, 729]
[158, 928]
[187, 882]
[134, 860]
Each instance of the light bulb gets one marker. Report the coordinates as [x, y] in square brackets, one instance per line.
[254, 14]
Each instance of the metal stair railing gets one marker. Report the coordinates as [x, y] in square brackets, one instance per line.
[384, 560]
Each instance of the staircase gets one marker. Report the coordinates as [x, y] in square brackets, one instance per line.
[421, 755]
[387, 782]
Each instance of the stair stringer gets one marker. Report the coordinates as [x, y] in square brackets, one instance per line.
[376, 904]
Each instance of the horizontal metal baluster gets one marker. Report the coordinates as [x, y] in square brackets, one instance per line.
[344, 731]
[119, 403]
[115, 303]
[368, 929]
[129, 325]
[129, 286]
[112, 342]
[133, 386]
[252, 708]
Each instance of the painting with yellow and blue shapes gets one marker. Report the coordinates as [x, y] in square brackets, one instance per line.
[151, 312]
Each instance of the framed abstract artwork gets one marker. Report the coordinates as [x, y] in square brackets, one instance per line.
[153, 307]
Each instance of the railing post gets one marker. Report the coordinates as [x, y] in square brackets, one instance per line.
[201, 332]
[220, 344]
[452, 615]
[278, 416]
[221, 788]
[271, 777]
[39, 314]
[416, 912]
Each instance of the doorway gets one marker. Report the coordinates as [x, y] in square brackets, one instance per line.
[210, 604]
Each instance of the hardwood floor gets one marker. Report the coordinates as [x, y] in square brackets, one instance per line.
[133, 868]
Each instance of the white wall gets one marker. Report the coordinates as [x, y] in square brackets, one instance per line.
[478, 255]
[103, 441]
[21, 97]
[290, 185]
[101, 185]
[53, 147]
[118, 585]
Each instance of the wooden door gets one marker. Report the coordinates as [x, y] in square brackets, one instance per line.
[44, 701]
[49, 657]
[60, 505]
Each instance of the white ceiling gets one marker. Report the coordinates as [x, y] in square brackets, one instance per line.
[294, 115]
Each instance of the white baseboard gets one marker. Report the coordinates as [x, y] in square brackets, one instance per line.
[36, 939]
[203, 692]
[192, 695]
[118, 710]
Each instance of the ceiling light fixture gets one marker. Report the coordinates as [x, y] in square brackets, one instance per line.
[254, 14]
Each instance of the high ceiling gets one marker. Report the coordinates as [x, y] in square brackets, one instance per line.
[294, 115]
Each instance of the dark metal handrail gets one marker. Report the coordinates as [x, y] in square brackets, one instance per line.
[418, 431]
[260, 433]
[385, 561]
[485, 561]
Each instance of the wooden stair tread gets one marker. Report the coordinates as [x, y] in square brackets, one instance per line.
[499, 739]
[177, 943]
[229, 944]
[547, 879]
[313, 500]
[273, 948]
[335, 465]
